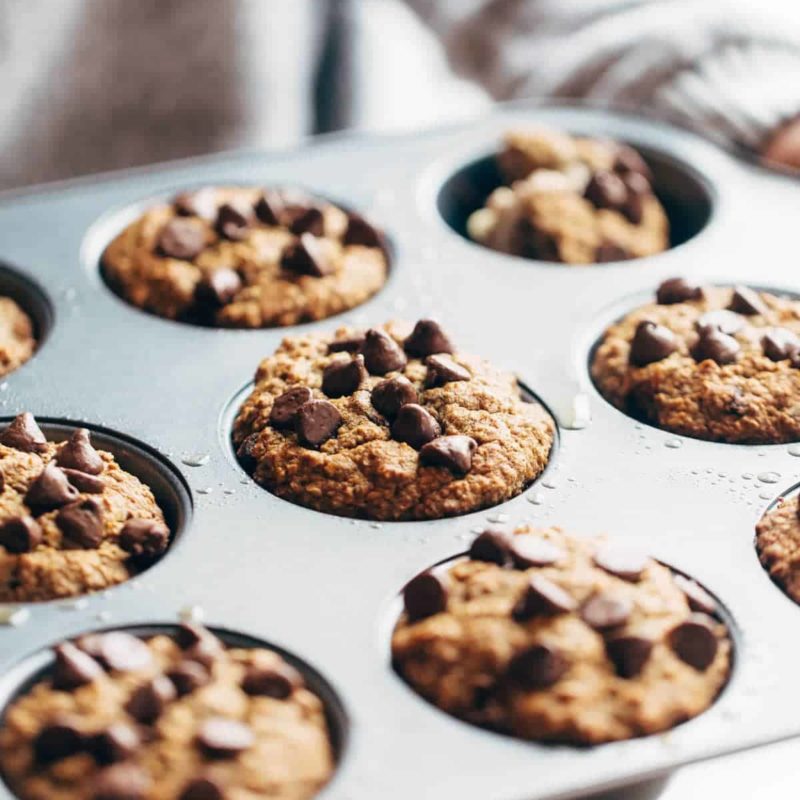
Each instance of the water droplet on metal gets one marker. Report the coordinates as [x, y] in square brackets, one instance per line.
[765, 495]
[673, 444]
[498, 517]
[794, 449]
[375, 525]
[74, 605]
[205, 490]
[196, 459]
[537, 498]
[14, 616]
[769, 477]
[550, 483]
[229, 491]
[103, 616]
[192, 614]
[747, 476]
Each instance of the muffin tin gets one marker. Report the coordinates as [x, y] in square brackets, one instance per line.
[324, 588]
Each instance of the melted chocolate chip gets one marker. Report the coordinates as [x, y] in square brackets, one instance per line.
[201, 203]
[722, 320]
[343, 378]
[651, 343]
[309, 220]
[453, 452]
[144, 539]
[81, 523]
[424, 596]
[677, 290]
[84, 482]
[697, 597]
[277, 680]
[542, 597]
[126, 781]
[148, 701]
[217, 288]
[694, 641]
[381, 353]
[529, 550]
[317, 421]
[538, 666]
[60, 739]
[118, 742]
[307, 256]
[492, 545]
[187, 676]
[415, 426]
[605, 610]
[233, 222]
[20, 534]
[73, 668]
[390, 395]
[746, 301]
[360, 232]
[717, 346]
[50, 490]
[443, 369]
[427, 339]
[182, 238]
[625, 564]
[629, 654]
[24, 434]
[285, 408]
[780, 343]
[77, 453]
[117, 651]
[606, 190]
[219, 737]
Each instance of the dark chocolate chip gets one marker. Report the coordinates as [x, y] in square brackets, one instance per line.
[117, 651]
[529, 550]
[24, 434]
[188, 676]
[202, 788]
[285, 408]
[628, 160]
[537, 244]
[198, 644]
[246, 451]
[77, 453]
[232, 222]
[270, 207]
[277, 681]
[415, 426]
[307, 256]
[717, 346]
[694, 641]
[361, 232]
[453, 452]
[608, 251]
[81, 523]
[343, 378]
[677, 290]
[224, 738]
[60, 739]
[50, 490]
[424, 596]
[697, 597]
[73, 668]
[217, 288]
[84, 482]
[780, 343]
[605, 610]
[537, 667]
[126, 781]
[606, 190]
[625, 564]
[746, 301]
[149, 700]
[351, 344]
[722, 320]
[443, 369]
[20, 534]
[118, 742]
[542, 597]
[201, 203]
[182, 238]
[391, 394]
[2, 482]
[651, 343]
[492, 545]
[310, 220]
[629, 654]
[381, 353]
[190, 633]
[144, 539]
[633, 210]
[317, 421]
[427, 339]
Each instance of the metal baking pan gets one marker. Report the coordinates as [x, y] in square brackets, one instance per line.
[324, 588]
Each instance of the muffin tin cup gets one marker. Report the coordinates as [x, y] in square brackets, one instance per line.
[325, 588]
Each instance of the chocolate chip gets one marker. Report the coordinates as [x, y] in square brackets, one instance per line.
[780, 343]
[285, 408]
[607, 252]
[542, 597]
[50, 490]
[182, 238]
[84, 482]
[629, 654]
[310, 220]
[606, 190]
[415, 426]
[201, 203]
[144, 539]
[149, 700]
[424, 596]
[535, 243]
[651, 343]
[746, 301]
[717, 346]
[633, 210]
[697, 597]
[453, 452]
[442, 369]
[492, 545]
[232, 222]
[529, 550]
[277, 681]
[351, 344]
[638, 188]
[361, 232]
[427, 339]
[537, 667]
[202, 788]
[118, 742]
[20, 534]
[24, 434]
[381, 353]
[270, 207]
[117, 651]
[307, 256]
[81, 523]
[317, 421]
[188, 676]
[224, 738]
[246, 452]
[198, 644]
[722, 320]
[190, 634]
[628, 160]
[73, 668]
[343, 378]
[625, 564]
[217, 288]
[124, 781]
[77, 453]
[694, 641]
[677, 290]
[390, 395]
[59, 739]
[605, 610]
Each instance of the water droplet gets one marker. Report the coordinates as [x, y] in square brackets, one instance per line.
[196, 459]
[747, 476]
[765, 495]
[14, 615]
[794, 449]
[244, 481]
[103, 616]
[550, 483]
[498, 517]
[580, 414]
[769, 477]
[205, 490]
[375, 525]
[74, 605]
[673, 444]
[192, 614]
[722, 474]
[537, 498]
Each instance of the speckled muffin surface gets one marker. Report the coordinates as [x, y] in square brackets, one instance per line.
[172, 717]
[552, 638]
[17, 340]
[572, 200]
[246, 258]
[710, 362]
[778, 545]
[71, 519]
[390, 423]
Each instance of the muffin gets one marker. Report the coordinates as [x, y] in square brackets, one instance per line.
[572, 200]
[547, 637]
[711, 362]
[172, 717]
[71, 519]
[389, 424]
[246, 258]
[17, 340]
[778, 545]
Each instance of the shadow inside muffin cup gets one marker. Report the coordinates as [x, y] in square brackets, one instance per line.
[31, 298]
[685, 194]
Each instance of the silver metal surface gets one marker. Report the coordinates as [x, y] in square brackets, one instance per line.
[325, 588]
